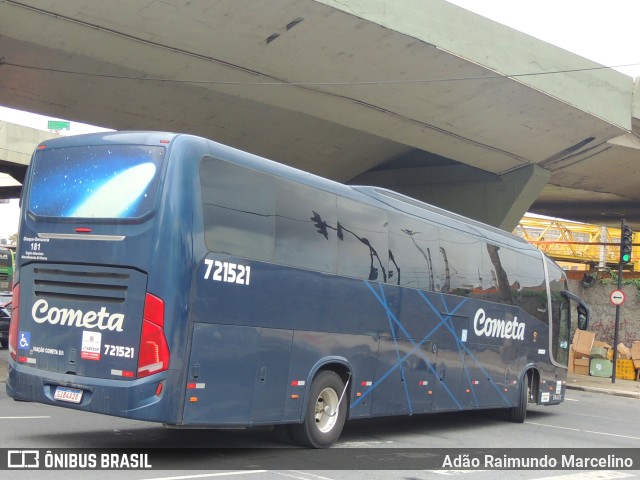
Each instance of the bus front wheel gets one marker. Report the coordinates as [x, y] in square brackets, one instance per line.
[325, 414]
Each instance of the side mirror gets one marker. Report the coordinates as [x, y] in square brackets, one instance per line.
[583, 310]
[583, 317]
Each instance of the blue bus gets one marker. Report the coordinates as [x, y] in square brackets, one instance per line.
[169, 278]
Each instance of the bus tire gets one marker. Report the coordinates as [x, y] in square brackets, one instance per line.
[518, 414]
[325, 415]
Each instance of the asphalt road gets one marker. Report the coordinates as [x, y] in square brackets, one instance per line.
[585, 420]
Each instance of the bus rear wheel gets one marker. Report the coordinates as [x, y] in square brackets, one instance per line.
[325, 414]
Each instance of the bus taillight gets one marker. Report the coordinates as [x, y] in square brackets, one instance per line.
[13, 329]
[153, 356]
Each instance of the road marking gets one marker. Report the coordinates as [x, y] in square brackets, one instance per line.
[612, 435]
[209, 475]
[603, 475]
[453, 472]
[585, 431]
[312, 475]
[609, 419]
[363, 444]
[305, 475]
[25, 417]
[571, 400]
[554, 426]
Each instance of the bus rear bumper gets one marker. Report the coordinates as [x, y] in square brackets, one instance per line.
[139, 399]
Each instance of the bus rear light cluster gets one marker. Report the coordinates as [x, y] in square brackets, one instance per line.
[154, 352]
[13, 328]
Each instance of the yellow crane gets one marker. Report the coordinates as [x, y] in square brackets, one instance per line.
[594, 246]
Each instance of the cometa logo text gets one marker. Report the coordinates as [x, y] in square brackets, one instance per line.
[101, 320]
[497, 328]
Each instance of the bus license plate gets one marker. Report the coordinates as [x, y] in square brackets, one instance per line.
[71, 395]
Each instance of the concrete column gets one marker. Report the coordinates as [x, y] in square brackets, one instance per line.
[520, 189]
[499, 201]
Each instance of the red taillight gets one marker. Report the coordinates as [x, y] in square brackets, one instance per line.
[13, 329]
[153, 356]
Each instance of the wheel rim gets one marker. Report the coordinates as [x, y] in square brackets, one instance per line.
[326, 410]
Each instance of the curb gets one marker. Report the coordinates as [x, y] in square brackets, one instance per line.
[605, 391]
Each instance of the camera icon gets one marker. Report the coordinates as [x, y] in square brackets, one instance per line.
[23, 459]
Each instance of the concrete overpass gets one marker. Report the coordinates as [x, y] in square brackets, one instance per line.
[16, 147]
[417, 95]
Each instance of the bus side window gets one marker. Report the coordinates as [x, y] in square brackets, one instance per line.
[306, 227]
[363, 243]
[459, 254]
[531, 294]
[239, 210]
[413, 253]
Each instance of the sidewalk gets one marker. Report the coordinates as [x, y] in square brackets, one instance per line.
[623, 388]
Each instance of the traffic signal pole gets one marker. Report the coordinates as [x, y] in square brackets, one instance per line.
[626, 241]
[617, 324]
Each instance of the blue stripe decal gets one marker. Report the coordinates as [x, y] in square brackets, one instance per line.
[461, 352]
[415, 349]
[460, 344]
[395, 342]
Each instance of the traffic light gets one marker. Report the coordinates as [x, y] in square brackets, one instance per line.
[626, 243]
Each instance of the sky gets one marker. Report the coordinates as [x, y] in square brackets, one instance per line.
[603, 31]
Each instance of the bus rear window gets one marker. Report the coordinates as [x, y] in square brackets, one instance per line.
[105, 181]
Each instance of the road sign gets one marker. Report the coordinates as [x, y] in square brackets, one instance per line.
[58, 125]
[617, 297]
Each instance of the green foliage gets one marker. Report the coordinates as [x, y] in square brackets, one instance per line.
[612, 279]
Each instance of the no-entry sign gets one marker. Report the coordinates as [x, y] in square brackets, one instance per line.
[617, 297]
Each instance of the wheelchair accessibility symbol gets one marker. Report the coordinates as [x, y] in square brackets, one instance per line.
[24, 341]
